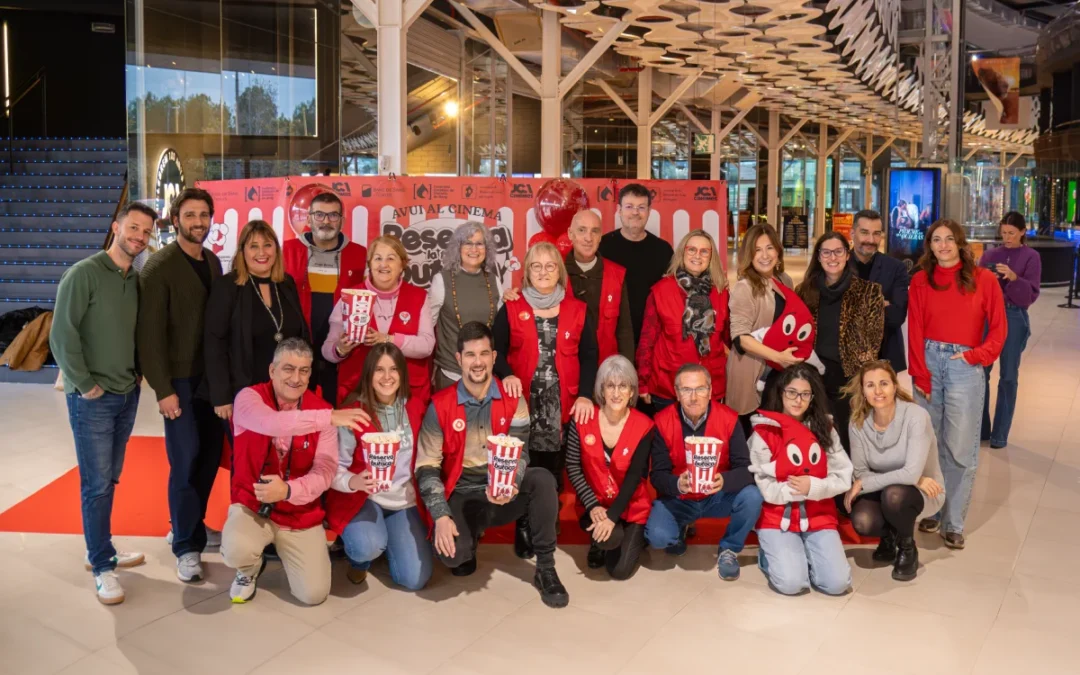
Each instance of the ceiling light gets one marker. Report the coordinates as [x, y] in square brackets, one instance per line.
[451, 108]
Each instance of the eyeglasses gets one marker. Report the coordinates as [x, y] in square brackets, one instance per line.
[542, 267]
[792, 395]
[621, 388]
[687, 391]
[473, 244]
[692, 251]
[635, 209]
[322, 216]
[837, 253]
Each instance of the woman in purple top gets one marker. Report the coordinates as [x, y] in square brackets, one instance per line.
[1019, 269]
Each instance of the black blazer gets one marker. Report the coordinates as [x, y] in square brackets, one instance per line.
[228, 338]
[893, 276]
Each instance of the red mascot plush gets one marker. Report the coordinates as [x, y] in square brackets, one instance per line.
[794, 328]
[795, 452]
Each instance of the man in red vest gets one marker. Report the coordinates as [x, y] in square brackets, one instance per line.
[285, 454]
[601, 285]
[322, 262]
[733, 494]
[452, 467]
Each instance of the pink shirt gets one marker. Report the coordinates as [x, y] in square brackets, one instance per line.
[417, 346]
[251, 413]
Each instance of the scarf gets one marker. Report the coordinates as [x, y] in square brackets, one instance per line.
[834, 293]
[699, 317]
[540, 301]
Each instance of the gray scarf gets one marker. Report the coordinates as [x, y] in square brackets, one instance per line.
[539, 301]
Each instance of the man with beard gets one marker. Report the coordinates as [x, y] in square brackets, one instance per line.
[173, 288]
[322, 262]
[93, 341]
[891, 274]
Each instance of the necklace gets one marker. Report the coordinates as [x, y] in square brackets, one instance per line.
[278, 323]
[453, 293]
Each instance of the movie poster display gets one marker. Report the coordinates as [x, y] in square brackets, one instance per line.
[913, 206]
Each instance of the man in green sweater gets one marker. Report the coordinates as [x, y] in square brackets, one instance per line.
[173, 287]
[93, 341]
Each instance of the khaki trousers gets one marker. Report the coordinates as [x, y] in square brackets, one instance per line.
[303, 552]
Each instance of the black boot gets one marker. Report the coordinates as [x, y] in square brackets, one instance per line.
[907, 559]
[552, 592]
[596, 557]
[523, 547]
[466, 568]
[886, 548]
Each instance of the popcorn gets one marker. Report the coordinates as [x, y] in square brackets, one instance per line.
[380, 452]
[357, 313]
[702, 457]
[503, 455]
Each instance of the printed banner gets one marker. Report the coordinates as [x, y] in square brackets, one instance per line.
[1000, 77]
[423, 212]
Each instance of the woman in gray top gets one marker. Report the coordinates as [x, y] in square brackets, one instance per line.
[897, 477]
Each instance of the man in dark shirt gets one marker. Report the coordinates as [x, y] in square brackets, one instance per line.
[645, 255]
[891, 273]
[733, 494]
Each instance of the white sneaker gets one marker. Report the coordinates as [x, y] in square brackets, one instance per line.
[189, 567]
[109, 590]
[243, 588]
[168, 537]
[121, 559]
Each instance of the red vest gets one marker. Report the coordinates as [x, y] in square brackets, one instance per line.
[795, 452]
[410, 302]
[254, 455]
[672, 350]
[451, 415]
[342, 507]
[605, 479]
[525, 347]
[608, 312]
[351, 268]
[719, 424]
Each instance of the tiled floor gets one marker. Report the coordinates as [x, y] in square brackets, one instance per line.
[1005, 604]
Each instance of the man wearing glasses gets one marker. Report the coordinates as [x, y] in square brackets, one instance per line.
[733, 494]
[322, 261]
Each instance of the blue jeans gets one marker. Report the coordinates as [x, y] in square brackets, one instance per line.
[956, 400]
[399, 534]
[670, 515]
[1015, 343]
[101, 428]
[793, 561]
[193, 443]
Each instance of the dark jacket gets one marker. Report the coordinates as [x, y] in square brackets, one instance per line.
[861, 323]
[892, 274]
[228, 338]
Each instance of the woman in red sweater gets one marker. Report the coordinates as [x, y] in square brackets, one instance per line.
[951, 303]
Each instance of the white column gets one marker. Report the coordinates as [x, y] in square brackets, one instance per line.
[714, 129]
[392, 89]
[869, 178]
[819, 178]
[644, 129]
[550, 103]
[772, 195]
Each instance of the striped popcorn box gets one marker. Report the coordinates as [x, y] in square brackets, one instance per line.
[503, 455]
[380, 453]
[702, 457]
[357, 312]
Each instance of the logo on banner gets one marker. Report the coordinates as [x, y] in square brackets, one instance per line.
[170, 176]
[421, 191]
[705, 193]
[342, 188]
[604, 193]
[365, 191]
[469, 191]
[425, 242]
[258, 194]
[521, 191]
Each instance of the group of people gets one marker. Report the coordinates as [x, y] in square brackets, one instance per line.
[601, 375]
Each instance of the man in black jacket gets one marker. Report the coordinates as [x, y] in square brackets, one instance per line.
[891, 274]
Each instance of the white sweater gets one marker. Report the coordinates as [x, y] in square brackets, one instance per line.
[837, 481]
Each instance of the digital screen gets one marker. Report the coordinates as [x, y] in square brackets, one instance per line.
[913, 206]
[1070, 203]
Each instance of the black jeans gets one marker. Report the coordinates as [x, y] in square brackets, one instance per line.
[473, 513]
[622, 549]
[839, 405]
[896, 507]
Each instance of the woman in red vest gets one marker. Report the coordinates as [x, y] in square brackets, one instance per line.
[799, 466]
[686, 319]
[607, 459]
[400, 315]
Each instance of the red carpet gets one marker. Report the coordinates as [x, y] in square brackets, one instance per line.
[141, 506]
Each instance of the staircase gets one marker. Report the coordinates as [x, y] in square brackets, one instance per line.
[56, 207]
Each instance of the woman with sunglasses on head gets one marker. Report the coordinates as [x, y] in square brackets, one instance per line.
[956, 327]
[850, 318]
[1019, 271]
[799, 466]
[686, 319]
[897, 476]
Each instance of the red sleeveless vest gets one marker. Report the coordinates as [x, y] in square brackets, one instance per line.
[605, 479]
[525, 349]
[351, 268]
[406, 320]
[719, 424]
[795, 452]
[608, 312]
[254, 455]
[672, 350]
[342, 507]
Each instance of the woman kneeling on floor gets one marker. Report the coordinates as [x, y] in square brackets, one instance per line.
[800, 466]
[897, 477]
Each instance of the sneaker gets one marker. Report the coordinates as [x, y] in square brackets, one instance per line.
[679, 549]
[121, 559]
[189, 567]
[465, 569]
[552, 592]
[929, 525]
[727, 564]
[168, 538]
[109, 590]
[243, 587]
[213, 537]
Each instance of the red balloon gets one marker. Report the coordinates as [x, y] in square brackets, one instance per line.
[541, 237]
[564, 245]
[301, 202]
[556, 203]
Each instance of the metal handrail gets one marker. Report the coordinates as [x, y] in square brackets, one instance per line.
[9, 110]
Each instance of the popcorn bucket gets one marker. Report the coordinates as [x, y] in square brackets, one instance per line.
[380, 452]
[357, 313]
[702, 457]
[503, 455]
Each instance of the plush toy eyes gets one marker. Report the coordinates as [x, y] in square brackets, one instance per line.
[804, 332]
[815, 453]
[789, 324]
[794, 454]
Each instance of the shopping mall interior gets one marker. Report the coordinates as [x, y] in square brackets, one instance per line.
[422, 114]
